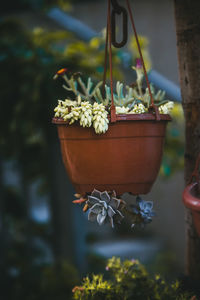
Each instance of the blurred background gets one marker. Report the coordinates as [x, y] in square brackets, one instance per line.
[47, 244]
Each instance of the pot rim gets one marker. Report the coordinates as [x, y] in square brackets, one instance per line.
[189, 199]
[126, 117]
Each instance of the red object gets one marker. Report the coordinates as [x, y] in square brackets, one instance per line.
[191, 199]
[191, 195]
[126, 158]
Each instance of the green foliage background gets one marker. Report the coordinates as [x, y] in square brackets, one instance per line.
[128, 280]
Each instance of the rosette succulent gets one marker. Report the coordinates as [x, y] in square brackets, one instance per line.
[103, 207]
[144, 209]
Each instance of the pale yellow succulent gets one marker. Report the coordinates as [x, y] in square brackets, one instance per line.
[73, 115]
[166, 108]
[61, 109]
[86, 114]
[138, 109]
[121, 110]
[100, 118]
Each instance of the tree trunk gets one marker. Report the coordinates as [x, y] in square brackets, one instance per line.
[188, 46]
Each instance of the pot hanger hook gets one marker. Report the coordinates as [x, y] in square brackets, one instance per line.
[117, 9]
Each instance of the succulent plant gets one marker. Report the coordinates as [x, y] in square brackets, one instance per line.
[166, 108]
[86, 114]
[103, 207]
[144, 209]
[100, 118]
[63, 108]
[75, 84]
[91, 106]
[138, 109]
[121, 110]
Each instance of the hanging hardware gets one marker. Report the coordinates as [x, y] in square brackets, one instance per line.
[116, 6]
[153, 107]
[119, 10]
[111, 38]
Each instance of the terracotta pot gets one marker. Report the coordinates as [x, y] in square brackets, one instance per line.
[191, 199]
[126, 158]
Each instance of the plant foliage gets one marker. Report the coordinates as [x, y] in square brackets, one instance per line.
[129, 280]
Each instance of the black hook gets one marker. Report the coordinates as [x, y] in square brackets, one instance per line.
[117, 9]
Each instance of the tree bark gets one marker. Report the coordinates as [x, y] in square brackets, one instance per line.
[188, 45]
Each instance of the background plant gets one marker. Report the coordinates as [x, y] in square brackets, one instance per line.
[128, 280]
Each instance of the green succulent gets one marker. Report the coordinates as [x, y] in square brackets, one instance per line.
[78, 87]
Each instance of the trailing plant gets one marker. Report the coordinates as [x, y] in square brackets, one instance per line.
[105, 207]
[91, 106]
[128, 280]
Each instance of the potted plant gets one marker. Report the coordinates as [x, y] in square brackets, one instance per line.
[191, 196]
[123, 155]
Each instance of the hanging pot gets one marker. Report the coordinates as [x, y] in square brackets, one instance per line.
[125, 159]
[191, 197]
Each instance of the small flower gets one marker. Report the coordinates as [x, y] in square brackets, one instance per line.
[138, 63]
[103, 207]
[107, 268]
[60, 73]
[144, 209]
[140, 74]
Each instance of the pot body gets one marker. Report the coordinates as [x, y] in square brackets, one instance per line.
[191, 199]
[126, 158]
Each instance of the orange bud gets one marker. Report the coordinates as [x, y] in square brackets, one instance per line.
[81, 200]
[77, 195]
[85, 208]
[61, 71]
